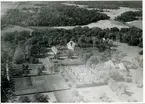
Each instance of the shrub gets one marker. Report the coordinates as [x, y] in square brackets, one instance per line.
[141, 52]
[41, 98]
[93, 60]
[24, 99]
[19, 56]
[115, 74]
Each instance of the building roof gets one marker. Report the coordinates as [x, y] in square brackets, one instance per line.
[109, 64]
[121, 66]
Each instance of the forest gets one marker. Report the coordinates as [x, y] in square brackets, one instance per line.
[82, 36]
[129, 16]
[109, 4]
[53, 15]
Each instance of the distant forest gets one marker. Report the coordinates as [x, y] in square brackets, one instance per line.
[129, 16]
[53, 15]
[109, 4]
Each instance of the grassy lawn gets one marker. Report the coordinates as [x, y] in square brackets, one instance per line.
[14, 28]
[49, 94]
[27, 85]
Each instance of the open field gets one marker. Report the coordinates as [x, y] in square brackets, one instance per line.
[136, 23]
[103, 24]
[51, 96]
[6, 6]
[130, 51]
[14, 28]
[94, 94]
[70, 96]
[29, 85]
[114, 13]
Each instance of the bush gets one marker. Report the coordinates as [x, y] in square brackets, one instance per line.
[141, 52]
[41, 98]
[19, 56]
[24, 99]
[10, 36]
[93, 60]
[115, 75]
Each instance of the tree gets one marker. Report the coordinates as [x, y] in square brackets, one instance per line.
[10, 36]
[41, 98]
[24, 99]
[141, 52]
[129, 16]
[19, 55]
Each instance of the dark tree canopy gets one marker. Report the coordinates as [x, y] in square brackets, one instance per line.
[54, 15]
[41, 98]
[129, 16]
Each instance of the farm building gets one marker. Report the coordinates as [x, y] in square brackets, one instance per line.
[121, 66]
[109, 64]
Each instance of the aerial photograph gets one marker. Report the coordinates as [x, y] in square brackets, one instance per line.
[71, 51]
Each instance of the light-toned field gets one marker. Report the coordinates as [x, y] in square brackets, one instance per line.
[51, 96]
[93, 94]
[68, 96]
[5, 6]
[87, 77]
[130, 51]
[77, 5]
[14, 28]
[112, 13]
[39, 84]
[136, 92]
[103, 24]
[136, 23]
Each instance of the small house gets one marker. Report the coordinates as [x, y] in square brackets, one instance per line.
[121, 66]
[109, 64]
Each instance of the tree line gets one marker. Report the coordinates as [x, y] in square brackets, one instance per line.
[53, 15]
[129, 16]
[83, 36]
[109, 4]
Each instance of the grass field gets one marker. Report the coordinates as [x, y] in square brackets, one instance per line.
[28, 85]
[13, 29]
[51, 96]
[103, 24]
[68, 96]
[136, 23]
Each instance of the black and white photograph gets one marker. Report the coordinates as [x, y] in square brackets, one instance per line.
[71, 51]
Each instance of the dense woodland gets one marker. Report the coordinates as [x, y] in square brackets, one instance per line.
[110, 4]
[53, 15]
[82, 36]
[129, 16]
